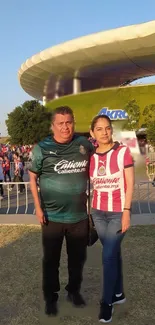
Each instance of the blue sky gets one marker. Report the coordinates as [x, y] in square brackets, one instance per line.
[27, 27]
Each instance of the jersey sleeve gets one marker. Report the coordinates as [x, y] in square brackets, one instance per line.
[37, 158]
[91, 166]
[128, 159]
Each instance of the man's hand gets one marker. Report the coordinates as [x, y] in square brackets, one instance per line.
[40, 216]
[125, 220]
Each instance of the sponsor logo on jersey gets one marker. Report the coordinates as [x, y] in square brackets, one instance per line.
[82, 150]
[53, 152]
[70, 167]
[105, 183]
[117, 114]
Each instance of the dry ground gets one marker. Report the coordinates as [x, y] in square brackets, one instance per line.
[20, 280]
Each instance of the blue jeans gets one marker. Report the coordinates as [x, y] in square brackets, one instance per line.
[108, 226]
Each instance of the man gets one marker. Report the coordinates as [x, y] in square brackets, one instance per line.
[61, 163]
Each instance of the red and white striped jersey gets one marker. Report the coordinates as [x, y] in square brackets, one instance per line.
[108, 179]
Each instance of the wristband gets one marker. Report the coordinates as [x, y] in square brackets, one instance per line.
[129, 209]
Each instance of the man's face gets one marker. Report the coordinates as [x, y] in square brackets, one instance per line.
[63, 128]
[102, 131]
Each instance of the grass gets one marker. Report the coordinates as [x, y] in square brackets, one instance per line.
[88, 104]
[20, 285]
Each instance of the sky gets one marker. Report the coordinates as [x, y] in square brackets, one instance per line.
[28, 27]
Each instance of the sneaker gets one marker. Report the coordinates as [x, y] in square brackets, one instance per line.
[118, 300]
[51, 308]
[106, 311]
[76, 299]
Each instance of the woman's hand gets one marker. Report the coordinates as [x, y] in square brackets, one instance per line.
[125, 220]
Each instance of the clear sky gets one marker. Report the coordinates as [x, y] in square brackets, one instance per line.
[27, 27]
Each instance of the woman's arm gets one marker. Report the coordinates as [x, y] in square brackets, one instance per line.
[129, 179]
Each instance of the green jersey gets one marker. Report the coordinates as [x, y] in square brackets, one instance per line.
[63, 173]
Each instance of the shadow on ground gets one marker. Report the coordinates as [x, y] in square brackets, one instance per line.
[20, 286]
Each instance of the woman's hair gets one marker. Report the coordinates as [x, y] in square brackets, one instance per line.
[96, 118]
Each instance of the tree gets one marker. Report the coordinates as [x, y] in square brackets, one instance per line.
[133, 111]
[28, 123]
[149, 114]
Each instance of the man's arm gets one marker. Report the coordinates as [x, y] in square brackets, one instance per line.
[34, 190]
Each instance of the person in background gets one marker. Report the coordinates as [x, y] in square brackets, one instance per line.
[21, 165]
[18, 166]
[1, 179]
[112, 177]
[6, 168]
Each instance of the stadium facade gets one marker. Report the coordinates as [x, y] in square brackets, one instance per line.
[72, 71]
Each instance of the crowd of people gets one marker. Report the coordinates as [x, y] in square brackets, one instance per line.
[12, 162]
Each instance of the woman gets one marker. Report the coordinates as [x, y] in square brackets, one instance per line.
[112, 177]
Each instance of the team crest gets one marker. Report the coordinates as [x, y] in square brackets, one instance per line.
[101, 170]
[82, 150]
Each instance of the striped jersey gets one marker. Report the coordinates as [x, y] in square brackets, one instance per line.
[108, 178]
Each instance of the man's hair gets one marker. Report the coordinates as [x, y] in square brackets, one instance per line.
[96, 118]
[62, 110]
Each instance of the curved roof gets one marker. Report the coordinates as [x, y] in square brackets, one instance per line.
[123, 54]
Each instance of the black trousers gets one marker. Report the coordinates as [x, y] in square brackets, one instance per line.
[76, 236]
[1, 188]
[17, 179]
[7, 173]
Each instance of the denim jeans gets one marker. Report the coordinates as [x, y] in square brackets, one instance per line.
[108, 226]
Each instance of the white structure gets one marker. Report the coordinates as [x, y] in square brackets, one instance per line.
[105, 59]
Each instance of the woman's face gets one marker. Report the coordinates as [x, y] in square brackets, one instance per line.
[102, 131]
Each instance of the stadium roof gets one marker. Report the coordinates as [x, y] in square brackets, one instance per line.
[123, 54]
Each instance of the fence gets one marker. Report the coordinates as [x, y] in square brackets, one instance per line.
[15, 202]
[10, 201]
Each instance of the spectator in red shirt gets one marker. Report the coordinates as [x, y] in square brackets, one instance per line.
[6, 169]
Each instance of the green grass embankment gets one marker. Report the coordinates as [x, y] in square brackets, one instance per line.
[88, 104]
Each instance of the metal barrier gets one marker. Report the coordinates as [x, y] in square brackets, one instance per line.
[145, 195]
[5, 202]
[143, 198]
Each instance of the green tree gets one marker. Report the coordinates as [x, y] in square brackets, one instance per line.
[28, 123]
[149, 114]
[133, 110]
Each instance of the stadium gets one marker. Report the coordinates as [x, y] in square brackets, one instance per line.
[94, 72]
